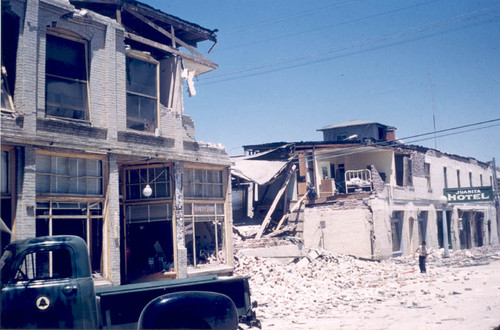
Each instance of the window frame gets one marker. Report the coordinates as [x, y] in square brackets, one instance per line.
[216, 219]
[65, 34]
[89, 218]
[149, 59]
[193, 183]
[102, 177]
[152, 183]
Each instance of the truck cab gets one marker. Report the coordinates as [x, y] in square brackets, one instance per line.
[46, 283]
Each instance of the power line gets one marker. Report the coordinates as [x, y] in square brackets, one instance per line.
[290, 17]
[389, 144]
[468, 16]
[326, 26]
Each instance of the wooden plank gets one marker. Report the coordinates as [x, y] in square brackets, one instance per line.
[169, 49]
[131, 11]
[295, 207]
[267, 219]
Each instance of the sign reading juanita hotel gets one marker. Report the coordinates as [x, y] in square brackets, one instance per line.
[468, 195]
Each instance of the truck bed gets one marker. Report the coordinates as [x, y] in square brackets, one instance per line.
[122, 305]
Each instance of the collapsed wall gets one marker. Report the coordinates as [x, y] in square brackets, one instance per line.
[345, 227]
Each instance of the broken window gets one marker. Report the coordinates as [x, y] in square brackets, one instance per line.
[65, 175]
[83, 219]
[201, 183]
[149, 226]
[9, 41]
[7, 103]
[404, 175]
[156, 178]
[204, 225]
[66, 92]
[142, 94]
[204, 218]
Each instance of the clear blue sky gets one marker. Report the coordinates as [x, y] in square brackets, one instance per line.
[287, 68]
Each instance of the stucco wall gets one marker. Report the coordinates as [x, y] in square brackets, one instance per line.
[345, 231]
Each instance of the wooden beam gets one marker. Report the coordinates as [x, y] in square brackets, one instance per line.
[131, 11]
[267, 219]
[295, 207]
[169, 49]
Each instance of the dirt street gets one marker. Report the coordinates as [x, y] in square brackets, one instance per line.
[341, 292]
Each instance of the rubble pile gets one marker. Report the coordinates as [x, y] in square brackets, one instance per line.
[323, 284]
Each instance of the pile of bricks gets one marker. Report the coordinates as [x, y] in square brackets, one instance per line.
[322, 284]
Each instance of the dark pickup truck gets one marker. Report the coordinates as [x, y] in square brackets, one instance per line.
[46, 282]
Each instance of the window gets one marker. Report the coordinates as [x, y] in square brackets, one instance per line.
[470, 179]
[422, 226]
[396, 230]
[9, 41]
[481, 179]
[201, 183]
[142, 94]
[458, 179]
[445, 176]
[6, 206]
[341, 137]
[7, 103]
[158, 179]
[427, 170]
[205, 233]
[404, 172]
[66, 78]
[65, 175]
[45, 265]
[83, 219]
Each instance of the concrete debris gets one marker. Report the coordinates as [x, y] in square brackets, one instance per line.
[323, 284]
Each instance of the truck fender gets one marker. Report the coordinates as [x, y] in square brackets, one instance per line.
[189, 310]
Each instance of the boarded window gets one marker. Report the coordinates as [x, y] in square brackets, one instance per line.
[142, 95]
[66, 78]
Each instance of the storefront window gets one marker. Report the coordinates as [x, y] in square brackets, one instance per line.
[148, 219]
[204, 233]
[83, 219]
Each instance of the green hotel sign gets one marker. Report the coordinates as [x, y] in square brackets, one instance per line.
[468, 195]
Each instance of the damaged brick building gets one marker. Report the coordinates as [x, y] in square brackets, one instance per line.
[375, 197]
[95, 141]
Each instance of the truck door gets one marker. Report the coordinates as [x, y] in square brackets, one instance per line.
[44, 291]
